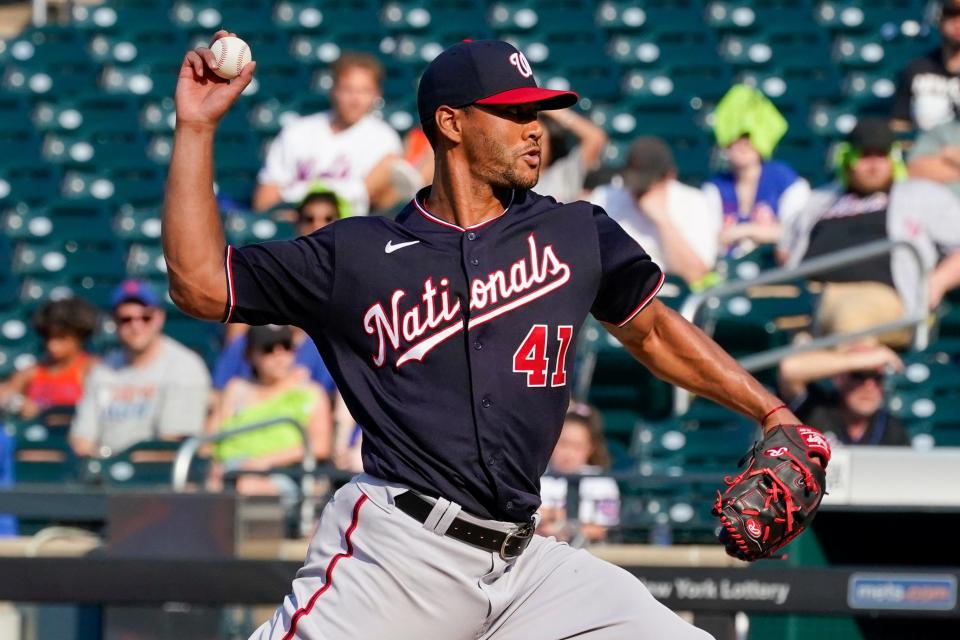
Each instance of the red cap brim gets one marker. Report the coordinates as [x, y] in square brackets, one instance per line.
[544, 98]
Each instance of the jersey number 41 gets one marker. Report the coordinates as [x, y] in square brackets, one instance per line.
[531, 356]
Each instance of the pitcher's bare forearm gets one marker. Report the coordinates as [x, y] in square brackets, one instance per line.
[193, 241]
[681, 354]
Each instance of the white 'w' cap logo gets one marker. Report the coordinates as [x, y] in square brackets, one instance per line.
[519, 60]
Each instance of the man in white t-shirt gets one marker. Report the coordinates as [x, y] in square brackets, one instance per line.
[348, 149]
[669, 219]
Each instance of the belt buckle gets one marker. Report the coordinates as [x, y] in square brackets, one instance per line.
[524, 534]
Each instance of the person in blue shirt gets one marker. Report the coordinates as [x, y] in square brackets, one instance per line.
[755, 194]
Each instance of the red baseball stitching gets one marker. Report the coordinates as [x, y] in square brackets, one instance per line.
[240, 59]
[223, 53]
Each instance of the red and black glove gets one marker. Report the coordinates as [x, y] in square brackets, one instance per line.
[777, 495]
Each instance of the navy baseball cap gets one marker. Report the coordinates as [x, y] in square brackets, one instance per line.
[134, 291]
[483, 72]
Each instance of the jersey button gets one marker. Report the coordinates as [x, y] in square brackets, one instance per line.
[478, 345]
[509, 504]
[475, 262]
[471, 235]
[492, 461]
[485, 403]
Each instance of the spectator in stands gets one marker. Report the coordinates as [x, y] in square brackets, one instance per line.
[563, 167]
[853, 412]
[935, 155]
[870, 202]
[57, 380]
[347, 149]
[152, 388]
[318, 209]
[669, 219]
[278, 389]
[581, 450]
[756, 195]
[928, 90]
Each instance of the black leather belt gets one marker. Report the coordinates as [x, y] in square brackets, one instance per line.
[509, 544]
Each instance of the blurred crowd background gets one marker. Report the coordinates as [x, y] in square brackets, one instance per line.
[731, 138]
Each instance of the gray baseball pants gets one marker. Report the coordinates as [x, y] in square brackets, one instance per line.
[374, 573]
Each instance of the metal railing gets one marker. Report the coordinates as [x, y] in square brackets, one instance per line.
[188, 451]
[765, 359]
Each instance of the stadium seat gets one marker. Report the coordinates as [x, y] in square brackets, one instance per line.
[147, 463]
[245, 228]
[859, 16]
[35, 292]
[146, 45]
[95, 146]
[120, 16]
[138, 224]
[146, 262]
[140, 79]
[27, 183]
[618, 381]
[79, 222]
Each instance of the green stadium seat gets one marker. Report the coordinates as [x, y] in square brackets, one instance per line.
[115, 113]
[15, 329]
[871, 51]
[95, 147]
[49, 45]
[859, 16]
[669, 447]
[665, 52]
[861, 86]
[139, 79]
[144, 464]
[618, 381]
[410, 16]
[158, 114]
[777, 46]
[80, 222]
[344, 21]
[145, 45]
[245, 228]
[20, 147]
[36, 292]
[41, 77]
[26, 183]
[203, 337]
[67, 262]
[745, 324]
[833, 120]
[146, 261]
[625, 16]
[138, 224]
[128, 184]
[17, 357]
[14, 113]
[120, 16]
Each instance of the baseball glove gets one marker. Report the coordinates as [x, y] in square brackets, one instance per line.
[777, 495]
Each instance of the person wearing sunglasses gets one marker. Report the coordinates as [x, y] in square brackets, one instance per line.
[278, 389]
[852, 409]
[151, 388]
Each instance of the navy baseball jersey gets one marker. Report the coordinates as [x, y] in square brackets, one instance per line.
[452, 347]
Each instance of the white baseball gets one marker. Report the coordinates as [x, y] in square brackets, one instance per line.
[232, 54]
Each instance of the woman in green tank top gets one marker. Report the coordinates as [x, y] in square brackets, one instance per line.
[279, 389]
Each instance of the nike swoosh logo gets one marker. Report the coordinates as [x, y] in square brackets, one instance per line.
[390, 248]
